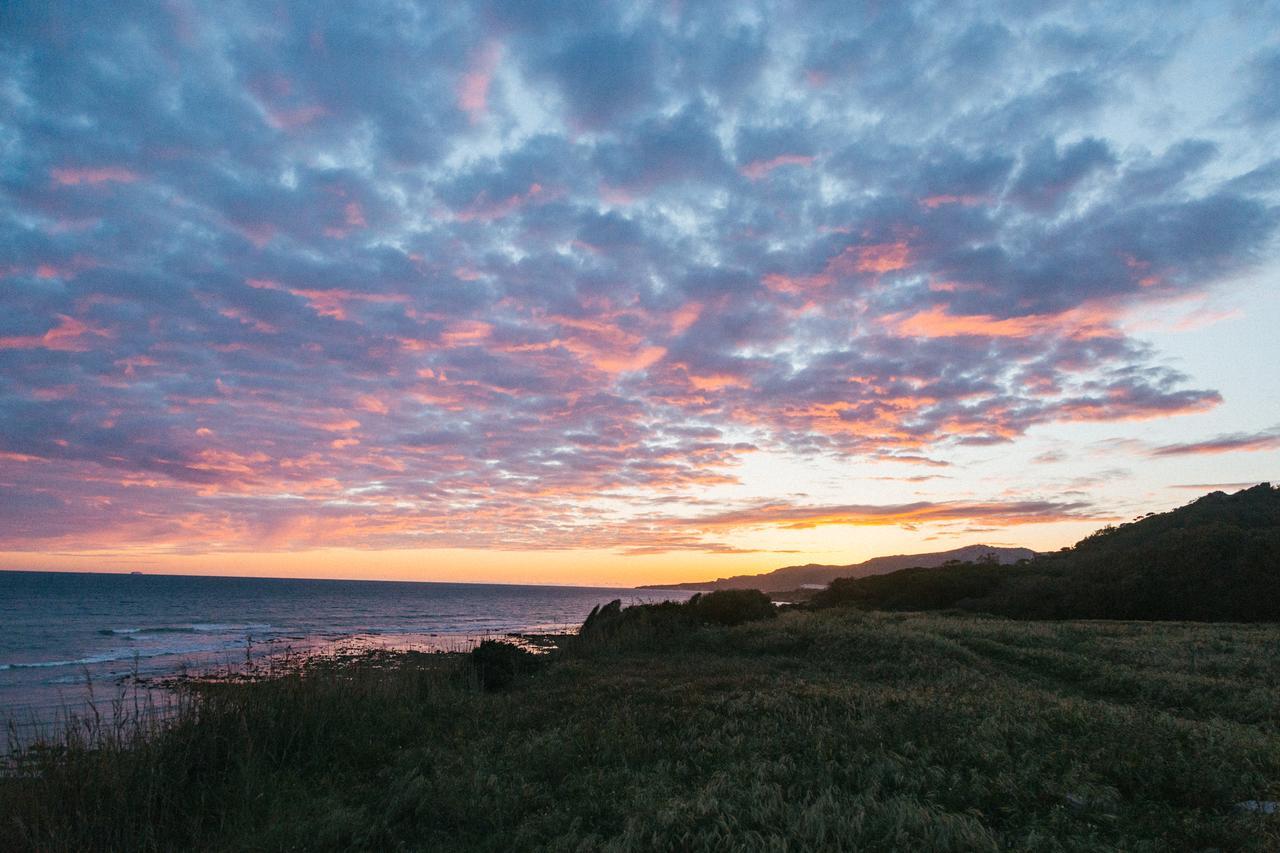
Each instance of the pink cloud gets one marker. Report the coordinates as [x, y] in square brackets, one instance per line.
[799, 517]
[483, 209]
[1247, 442]
[935, 201]
[618, 196]
[352, 218]
[287, 119]
[874, 258]
[68, 176]
[473, 88]
[757, 169]
[70, 335]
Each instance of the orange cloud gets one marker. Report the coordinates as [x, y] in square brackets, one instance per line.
[685, 316]
[603, 344]
[717, 381]
[616, 362]
[68, 336]
[1079, 323]
[466, 332]
[370, 403]
[339, 426]
[880, 257]
[877, 258]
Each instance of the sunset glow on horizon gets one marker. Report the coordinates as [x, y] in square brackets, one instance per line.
[528, 292]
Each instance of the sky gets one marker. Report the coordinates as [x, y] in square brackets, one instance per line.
[613, 293]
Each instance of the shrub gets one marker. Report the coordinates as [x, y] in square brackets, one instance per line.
[497, 664]
[613, 622]
[732, 607]
[670, 620]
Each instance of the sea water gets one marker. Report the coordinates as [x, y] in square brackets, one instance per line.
[63, 635]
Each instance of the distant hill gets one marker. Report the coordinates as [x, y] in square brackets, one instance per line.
[1215, 559]
[794, 577]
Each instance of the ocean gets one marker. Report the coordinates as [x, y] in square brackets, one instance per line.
[64, 634]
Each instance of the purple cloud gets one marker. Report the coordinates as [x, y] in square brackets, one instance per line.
[315, 274]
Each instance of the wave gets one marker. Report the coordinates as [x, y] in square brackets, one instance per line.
[196, 628]
[122, 655]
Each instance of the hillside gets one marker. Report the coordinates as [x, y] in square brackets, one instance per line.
[793, 577]
[1215, 559]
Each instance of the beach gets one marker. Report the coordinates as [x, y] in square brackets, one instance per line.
[68, 635]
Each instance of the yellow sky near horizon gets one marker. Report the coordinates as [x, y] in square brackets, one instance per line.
[834, 544]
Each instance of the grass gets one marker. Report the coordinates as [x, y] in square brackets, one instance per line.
[831, 730]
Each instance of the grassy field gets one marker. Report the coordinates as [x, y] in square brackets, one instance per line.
[832, 730]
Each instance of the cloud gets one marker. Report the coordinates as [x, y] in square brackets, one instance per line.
[1260, 104]
[71, 176]
[1216, 487]
[1230, 443]
[603, 75]
[1048, 175]
[794, 517]
[548, 262]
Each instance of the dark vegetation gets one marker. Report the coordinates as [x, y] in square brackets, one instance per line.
[659, 729]
[721, 724]
[790, 579]
[1215, 559]
[496, 665]
[960, 585]
[724, 607]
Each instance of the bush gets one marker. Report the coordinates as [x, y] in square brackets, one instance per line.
[670, 620]
[732, 607]
[497, 664]
[613, 622]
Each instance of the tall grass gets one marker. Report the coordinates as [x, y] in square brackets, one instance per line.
[831, 730]
[150, 775]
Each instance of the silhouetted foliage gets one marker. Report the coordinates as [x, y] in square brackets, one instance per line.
[497, 664]
[613, 622]
[671, 618]
[1215, 559]
[942, 587]
[732, 606]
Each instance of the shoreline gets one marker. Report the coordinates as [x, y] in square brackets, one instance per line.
[104, 629]
[838, 728]
[55, 710]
